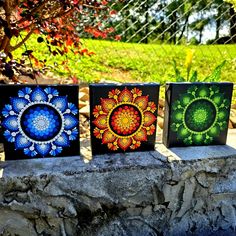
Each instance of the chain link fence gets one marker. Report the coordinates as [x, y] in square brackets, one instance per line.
[176, 22]
[154, 33]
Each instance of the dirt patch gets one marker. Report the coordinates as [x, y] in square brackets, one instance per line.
[117, 75]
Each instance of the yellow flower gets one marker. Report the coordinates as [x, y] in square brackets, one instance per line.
[188, 61]
[189, 58]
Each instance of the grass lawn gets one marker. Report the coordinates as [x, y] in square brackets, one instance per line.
[130, 62]
[136, 62]
[125, 61]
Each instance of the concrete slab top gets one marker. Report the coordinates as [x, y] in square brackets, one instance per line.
[155, 159]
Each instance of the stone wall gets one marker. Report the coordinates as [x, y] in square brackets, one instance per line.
[189, 191]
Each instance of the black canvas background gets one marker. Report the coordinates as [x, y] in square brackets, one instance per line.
[8, 91]
[98, 91]
[173, 92]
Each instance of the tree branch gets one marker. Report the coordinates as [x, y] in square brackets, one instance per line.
[12, 48]
[6, 41]
[34, 10]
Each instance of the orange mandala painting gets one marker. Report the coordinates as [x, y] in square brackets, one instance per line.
[125, 119]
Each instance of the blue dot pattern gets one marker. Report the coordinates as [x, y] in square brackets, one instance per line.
[41, 123]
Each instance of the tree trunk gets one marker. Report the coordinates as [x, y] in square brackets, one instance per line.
[218, 23]
[184, 27]
[174, 28]
[163, 26]
[200, 36]
[126, 27]
[146, 22]
[232, 24]
[5, 44]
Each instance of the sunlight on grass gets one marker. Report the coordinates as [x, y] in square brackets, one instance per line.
[129, 62]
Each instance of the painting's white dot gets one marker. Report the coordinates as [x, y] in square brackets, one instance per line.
[20, 105]
[43, 146]
[67, 122]
[13, 123]
[23, 140]
[38, 97]
[59, 104]
[60, 139]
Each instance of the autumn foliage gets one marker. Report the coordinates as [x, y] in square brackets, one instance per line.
[58, 23]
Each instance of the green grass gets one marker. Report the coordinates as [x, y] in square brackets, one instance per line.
[130, 62]
[155, 62]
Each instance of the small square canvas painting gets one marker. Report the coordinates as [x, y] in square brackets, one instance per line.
[123, 117]
[196, 113]
[39, 121]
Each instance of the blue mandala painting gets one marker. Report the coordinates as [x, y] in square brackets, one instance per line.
[40, 122]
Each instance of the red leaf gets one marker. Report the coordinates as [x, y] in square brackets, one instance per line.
[118, 37]
[57, 36]
[74, 79]
[113, 12]
[66, 50]
[91, 53]
[96, 33]
[36, 31]
[110, 30]
[84, 50]
[69, 42]
[67, 68]
[69, 27]
[104, 2]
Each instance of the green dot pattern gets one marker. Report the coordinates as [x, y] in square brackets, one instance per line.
[199, 115]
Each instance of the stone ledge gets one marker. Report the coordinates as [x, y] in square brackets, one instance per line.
[76, 165]
[176, 192]
[127, 194]
[103, 163]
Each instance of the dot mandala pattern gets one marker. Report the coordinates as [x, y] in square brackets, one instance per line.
[199, 115]
[40, 122]
[125, 119]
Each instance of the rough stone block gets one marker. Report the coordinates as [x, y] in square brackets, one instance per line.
[139, 193]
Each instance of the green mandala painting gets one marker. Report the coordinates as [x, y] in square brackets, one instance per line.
[200, 114]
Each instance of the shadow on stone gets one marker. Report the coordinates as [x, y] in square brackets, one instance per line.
[203, 152]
